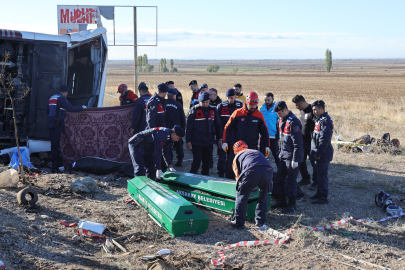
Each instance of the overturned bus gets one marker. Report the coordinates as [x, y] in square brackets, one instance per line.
[42, 63]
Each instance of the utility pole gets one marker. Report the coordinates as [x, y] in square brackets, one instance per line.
[135, 55]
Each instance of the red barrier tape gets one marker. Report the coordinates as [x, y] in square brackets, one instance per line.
[286, 237]
[69, 224]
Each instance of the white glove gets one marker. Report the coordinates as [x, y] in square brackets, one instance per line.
[225, 147]
[294, 165]
[171, 169]
[267, 152]
[159, 174]
[84, 107]
[288, 163]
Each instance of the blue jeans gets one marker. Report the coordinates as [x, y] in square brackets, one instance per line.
[258, 176]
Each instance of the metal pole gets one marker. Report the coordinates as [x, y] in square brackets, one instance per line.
[135, 55]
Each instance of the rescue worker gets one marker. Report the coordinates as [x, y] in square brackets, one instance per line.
[146, 149]
[291, 154]
[307, 118]
[215, 100]
[179, 97]
[321, 150]
[127, 96]
[57, 107]
[196, 92]
[138, 122]
[246, 124]
[252, 169]
[271, 117]
[239, 95]
[225, 110]
[203, 88]
[175, 116]
[156, 107]
[203, 125]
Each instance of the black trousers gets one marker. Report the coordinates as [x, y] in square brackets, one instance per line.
[55, 134]
[201, 154]
[303, 165]
[178, 146]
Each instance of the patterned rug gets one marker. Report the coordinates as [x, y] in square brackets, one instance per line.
[97, 132]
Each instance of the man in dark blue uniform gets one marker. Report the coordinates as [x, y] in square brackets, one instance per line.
[146, 150]
[252, 169]
[225, 110]
[57, 107]
[179, 96]
[203, 126]
[196, 92]
[307, 118]
[156, 107]
[175, 116]
[138, 123]
[321, 150]
[291, 154]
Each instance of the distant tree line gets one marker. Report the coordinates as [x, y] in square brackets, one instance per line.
[163, 68]
[143, 65]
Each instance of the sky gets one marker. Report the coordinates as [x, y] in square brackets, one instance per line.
[238, 30]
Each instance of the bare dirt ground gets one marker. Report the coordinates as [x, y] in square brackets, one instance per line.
[40, 241]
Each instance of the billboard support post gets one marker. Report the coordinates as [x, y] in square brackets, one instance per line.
[135, 55]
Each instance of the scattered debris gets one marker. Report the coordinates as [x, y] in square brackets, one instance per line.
[160, 264]
[3, 231]
[68, 224]
[76, 238]
[9, 179]
[85, 185]
[348, 233]
[164, 252]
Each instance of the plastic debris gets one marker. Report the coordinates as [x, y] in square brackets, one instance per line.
[164, 252]
[9, 179]
[68, 224]
[92, 226]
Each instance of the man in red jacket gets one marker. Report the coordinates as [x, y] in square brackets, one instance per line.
[246, 124]
[127, 96]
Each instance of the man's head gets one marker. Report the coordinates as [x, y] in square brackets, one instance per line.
[143, 89]
[239, 146]
[268, 99]
[64, 90]
[252, 101]
[231, 95]
[204, 88]
[122, 89]
[178, 132]
[170, 84]
[171, 96]
[238, 88]
[213, 94]
[300, 102]
[281, 109]
[193, 85]
[163, 89]
[318, 108]
[204, 99]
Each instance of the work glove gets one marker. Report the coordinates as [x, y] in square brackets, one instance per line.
[171, 169]
[288, 163]
[267, 152]
[84, 107]
[225, 147]
[159, 174]
[294, 165]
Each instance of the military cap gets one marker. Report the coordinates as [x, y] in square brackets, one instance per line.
[179, 131]
[163, 88]
[279, 106]
[204, 85]
[192, 82]
[318, 103]
[142, 85]
[230, 93]
[204, 97]
[169, 82]
[64, 88]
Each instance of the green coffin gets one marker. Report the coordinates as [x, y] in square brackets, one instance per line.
[213, 193]
[169, 210]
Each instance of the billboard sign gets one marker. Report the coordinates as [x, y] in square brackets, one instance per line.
[70, 17]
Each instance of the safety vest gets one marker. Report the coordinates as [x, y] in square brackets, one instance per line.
[202, 123]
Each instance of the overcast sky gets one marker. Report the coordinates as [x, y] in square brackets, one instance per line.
[238, 29]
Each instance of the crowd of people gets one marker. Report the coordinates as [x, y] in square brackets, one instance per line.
[243, 134]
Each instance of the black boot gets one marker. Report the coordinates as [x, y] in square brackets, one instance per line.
[179, 163]
[313, 186]
[300, 194]
[281, 203]
[315, 196]
[304, 181]
[321, 200]
[290, 207]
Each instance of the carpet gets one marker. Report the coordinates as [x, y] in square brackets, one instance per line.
[97, 132]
